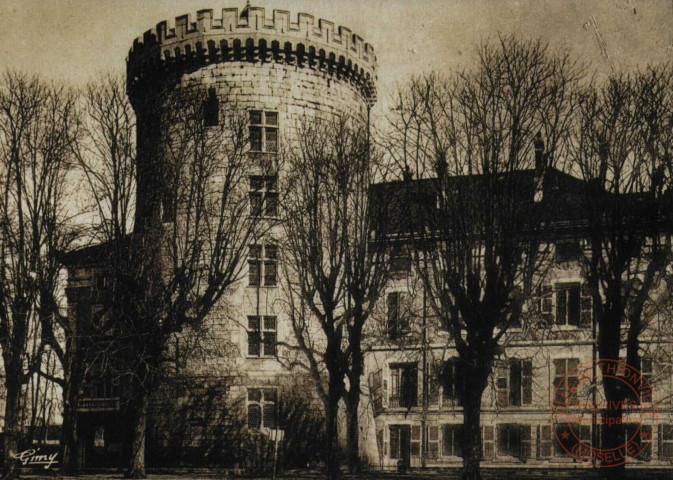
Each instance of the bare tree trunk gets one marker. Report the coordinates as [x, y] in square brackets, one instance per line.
[475, 375]
[332, 468]
[68, 447]
[612, 429]
[136, 460]
[12, 427]
[353, 401]
[352, 435]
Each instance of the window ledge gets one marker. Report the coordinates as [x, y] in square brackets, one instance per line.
[572, 328]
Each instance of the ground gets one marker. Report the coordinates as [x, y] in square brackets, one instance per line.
[488, 474]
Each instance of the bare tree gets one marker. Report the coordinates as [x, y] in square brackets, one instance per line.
[105, 160]
[623, 146]
[38, 126]
[479, 224]
[335, 269]
[189, 238]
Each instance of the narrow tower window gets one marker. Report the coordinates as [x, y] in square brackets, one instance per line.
[212, 109]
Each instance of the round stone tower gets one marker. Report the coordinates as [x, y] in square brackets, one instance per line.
[280, 69]
[277, 72]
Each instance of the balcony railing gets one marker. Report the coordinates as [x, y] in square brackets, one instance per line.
[98, 404]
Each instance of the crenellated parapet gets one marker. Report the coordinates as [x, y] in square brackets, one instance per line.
[251, 37]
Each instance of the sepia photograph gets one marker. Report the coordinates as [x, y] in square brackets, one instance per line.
[340, 240]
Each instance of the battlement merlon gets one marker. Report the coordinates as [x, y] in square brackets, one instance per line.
[214, 39]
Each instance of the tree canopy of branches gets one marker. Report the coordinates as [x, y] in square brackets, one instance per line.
[105, 160]
[188, 241]
[38, 127]
[333, 278]
[479, 250]
[623, 146]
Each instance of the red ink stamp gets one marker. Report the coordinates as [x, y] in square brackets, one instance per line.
[579, 410]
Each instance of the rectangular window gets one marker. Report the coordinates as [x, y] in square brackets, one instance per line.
[264, 196]
[398, 321]
[404, 385]
[641, 435]
[263, 131]
[452, 441]
[567, 251]
[449, 377]
[515, 383]
[262, 336]
[666, 441]
[400, 267]
[514, 440]
[395, 434]
[573, 304]
[566, 436]
[262, 408]
[568, 304]
[263, 264]
[565, 386]
[211, 109]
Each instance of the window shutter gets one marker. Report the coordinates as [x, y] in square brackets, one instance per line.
[586, 306]
[501, 385]
[561, 307]
[527, 382]
[394, 387]
[394, 443]
[546, 304]
[544, 441]
[502, 439]
[376, 390]
[488, 440]
[525, 442]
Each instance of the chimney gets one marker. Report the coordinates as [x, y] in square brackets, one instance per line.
[407, 175]
[540, 166]
[538, 143]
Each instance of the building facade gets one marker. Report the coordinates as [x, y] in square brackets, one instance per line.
[415, 419]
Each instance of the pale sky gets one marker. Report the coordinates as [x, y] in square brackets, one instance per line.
[74, 40]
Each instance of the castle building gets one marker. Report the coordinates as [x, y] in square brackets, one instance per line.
[278, 72]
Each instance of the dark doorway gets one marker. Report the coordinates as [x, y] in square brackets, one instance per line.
[400, 445]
